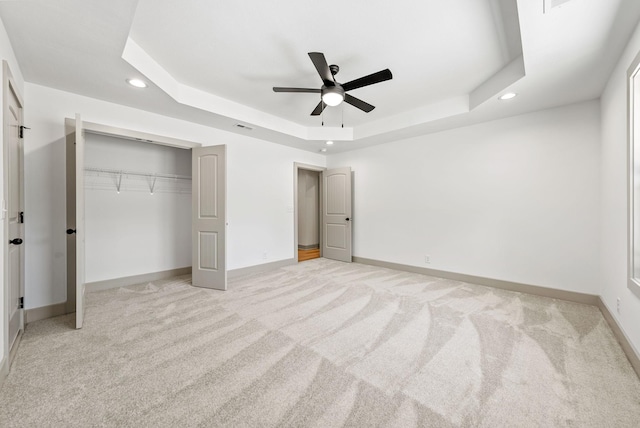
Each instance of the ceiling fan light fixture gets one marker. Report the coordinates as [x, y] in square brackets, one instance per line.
[333, 95]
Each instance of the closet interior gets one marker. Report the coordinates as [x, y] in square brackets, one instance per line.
[137, 207]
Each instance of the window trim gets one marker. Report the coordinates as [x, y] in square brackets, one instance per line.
[632, 73]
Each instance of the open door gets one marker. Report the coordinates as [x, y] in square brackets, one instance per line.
[336, 214]
[209, 193]
[14, 209]
[75, 219]
[79, 222]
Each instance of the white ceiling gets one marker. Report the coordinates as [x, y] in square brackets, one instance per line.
[215, 62]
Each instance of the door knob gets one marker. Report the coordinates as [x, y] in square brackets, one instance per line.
[71, 231]
[347, 219]
[16, 241]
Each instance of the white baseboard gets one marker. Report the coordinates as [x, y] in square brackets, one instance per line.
[136, 279]
[44, 312]
[265, 267]
[623, 340]
[571, 296]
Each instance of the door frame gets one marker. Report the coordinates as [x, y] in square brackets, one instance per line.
[9, 84]
[319, 169]
[112, 131]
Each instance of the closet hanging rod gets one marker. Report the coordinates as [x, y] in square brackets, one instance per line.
[138, 174]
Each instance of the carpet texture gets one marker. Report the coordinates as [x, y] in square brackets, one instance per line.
[322, 344]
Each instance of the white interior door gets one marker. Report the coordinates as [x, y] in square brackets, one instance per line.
[80, 231]
[209, 267]
[14, 211]
[336, 214]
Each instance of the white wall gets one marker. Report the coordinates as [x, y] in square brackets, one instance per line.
[614, 198]
[134, 232]
[259, 173]
[6, 54]
[514, 199]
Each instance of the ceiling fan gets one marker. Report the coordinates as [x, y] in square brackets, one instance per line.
[332, 92]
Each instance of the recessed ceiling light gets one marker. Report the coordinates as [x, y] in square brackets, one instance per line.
[137, 83]
[507, 96]
[323, 150]
[329, 143]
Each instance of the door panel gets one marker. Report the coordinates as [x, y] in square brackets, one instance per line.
[15, 249]
[336, 236]
[209, 217]
[208, 250]
[337, 214]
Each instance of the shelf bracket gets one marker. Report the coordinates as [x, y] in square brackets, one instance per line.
[152, 185]
[118, 182]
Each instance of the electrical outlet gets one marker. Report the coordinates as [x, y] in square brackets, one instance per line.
[427, 259]
[618, 304]
[264, 255]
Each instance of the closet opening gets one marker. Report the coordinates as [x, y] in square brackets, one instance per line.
[162, 230]
[137, 208]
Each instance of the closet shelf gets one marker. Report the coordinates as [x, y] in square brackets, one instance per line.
[137, 173]
[108, 178]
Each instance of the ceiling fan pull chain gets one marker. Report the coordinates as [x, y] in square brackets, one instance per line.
[343, 115]
[322, 113]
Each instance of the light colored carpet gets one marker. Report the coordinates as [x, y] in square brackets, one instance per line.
[322, 344]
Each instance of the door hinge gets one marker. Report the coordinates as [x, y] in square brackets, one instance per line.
[22, 128]
[21, 217]
[21, 303]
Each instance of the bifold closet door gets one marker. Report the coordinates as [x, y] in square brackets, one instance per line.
[75, 218]
[209, 267]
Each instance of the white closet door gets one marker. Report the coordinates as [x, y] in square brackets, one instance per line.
[209, 267]
[14, 262]
[80, 231]
[336, 209]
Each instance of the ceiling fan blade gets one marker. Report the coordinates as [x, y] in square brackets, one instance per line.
[358, 103]
[321, 65]
[319, 108]
[309, 90]
[378, 77]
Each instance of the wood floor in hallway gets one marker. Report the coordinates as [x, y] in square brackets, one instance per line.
[304, 255]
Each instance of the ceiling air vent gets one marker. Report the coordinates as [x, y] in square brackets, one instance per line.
[245, 127]
[550, 4]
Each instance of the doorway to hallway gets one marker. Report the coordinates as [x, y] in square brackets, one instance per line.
[308, 214]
